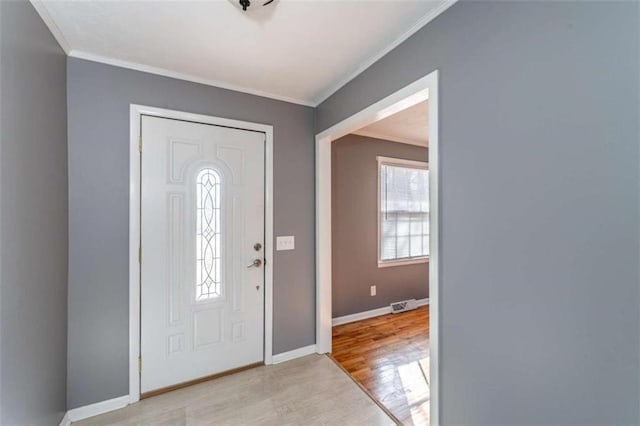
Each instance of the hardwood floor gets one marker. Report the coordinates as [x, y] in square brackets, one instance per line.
[389, 356]
[306, 391]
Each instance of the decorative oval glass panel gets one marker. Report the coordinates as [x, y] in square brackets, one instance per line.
[208, 235]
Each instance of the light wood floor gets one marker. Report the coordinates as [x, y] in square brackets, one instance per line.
[389, 356]
[308, 391]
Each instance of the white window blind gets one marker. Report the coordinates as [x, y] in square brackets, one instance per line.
[404, 210]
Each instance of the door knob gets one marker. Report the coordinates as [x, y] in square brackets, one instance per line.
[255, 264]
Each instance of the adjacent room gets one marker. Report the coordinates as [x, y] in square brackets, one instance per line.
[318, 212]
[380, 260]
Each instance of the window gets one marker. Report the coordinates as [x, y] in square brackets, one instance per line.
[208, 236]
[403, 214]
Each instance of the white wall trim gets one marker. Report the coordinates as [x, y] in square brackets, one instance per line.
[394, 263]
[296, 353]
[136, 111]
[404, 98]
[346, 319]
[182, 76]
[418, 91]
[391, 138]
[403, 162]
[430, 16]
[39, 6]
[65, 420]
[91, 410]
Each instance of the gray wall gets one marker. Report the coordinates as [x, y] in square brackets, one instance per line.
[539, 206]
[99, 97]
[33, 227]
[354, 227]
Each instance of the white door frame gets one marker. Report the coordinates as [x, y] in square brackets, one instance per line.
[418, 91]
[136, 113]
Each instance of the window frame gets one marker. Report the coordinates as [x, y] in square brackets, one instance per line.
[398, 162]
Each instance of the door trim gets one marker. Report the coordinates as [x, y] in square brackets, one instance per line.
[420, 90]
[135, 113]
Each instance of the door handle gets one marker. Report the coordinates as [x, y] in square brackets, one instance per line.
[255, 264]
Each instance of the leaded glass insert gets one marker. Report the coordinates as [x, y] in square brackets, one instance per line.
[208, 235]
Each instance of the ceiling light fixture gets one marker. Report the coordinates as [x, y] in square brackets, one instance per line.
[245, 4]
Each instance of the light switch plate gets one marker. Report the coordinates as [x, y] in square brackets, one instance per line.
[285, 243]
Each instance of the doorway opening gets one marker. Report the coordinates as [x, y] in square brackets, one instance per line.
[396, 256]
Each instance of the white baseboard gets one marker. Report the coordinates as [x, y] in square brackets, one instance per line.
[65, 420]
[422, 302]
[370, 314]
[91, 410]
[296, 353]
[87, 411]
[102, 407]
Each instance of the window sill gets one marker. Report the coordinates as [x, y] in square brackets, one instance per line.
[390, 263]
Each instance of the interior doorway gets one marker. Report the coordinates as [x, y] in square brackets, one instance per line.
[380, 260]
[423, 91]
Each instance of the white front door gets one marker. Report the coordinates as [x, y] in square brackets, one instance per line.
[202, 229]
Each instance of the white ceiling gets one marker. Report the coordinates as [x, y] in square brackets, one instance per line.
[407, 126]
[299, 51]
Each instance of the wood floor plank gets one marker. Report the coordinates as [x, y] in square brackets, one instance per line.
[389, 356]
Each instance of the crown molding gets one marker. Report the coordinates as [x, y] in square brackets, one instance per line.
[391, 138]
[40, 7]
[430, 16]
[182, 76]
[42, 10]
